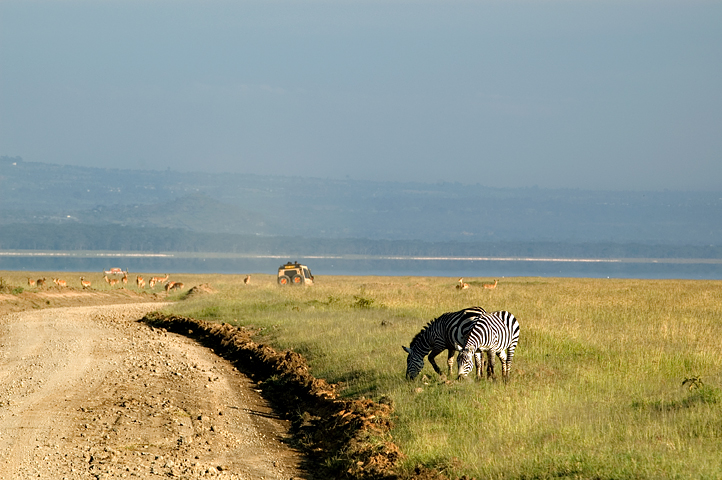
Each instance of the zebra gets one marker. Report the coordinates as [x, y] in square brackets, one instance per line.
[496, 332]
[447, 332]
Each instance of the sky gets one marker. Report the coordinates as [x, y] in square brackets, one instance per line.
[620, 95]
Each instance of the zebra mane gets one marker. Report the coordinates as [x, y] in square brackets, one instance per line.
[443, 318]
[421, 334]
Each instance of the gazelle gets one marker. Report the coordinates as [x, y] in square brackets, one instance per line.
[491, 285]
[247, 280]
[60, 283]
[160, 280]
[125, 278]
[31, 282]
[462, 285]
[85, 283]
[173, 286]
[40, 282]
[140, 282]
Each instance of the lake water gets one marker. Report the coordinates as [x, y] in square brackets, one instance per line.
[471, 267]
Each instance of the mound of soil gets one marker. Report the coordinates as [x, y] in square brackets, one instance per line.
[342, 438]
[202, 289]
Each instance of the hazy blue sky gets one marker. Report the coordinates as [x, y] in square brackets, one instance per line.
[583, 94]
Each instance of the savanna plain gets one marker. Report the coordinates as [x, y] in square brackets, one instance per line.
[612, 379]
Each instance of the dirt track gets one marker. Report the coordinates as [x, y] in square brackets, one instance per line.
[88, 392]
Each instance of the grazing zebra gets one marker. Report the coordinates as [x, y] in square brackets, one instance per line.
[447, 332]
[496, 332]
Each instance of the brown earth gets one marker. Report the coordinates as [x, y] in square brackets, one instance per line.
[103, 389]
[70, 297]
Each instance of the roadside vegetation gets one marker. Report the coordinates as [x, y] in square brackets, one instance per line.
[611, 379]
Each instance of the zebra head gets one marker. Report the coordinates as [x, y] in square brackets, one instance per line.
[414, 363]
[465, 362]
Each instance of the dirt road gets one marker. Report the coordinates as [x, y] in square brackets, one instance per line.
[88, 392]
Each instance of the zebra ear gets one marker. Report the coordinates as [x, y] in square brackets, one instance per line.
[406, 349]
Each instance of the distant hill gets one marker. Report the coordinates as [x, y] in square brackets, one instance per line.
[39, 193]
[196, 212]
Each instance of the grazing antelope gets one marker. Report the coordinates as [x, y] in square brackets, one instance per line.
[60, 283]
[113, 281]
[491, 285]
[107, 280]
[160, 280]
[85, 283]
[247, 280]
[40, 282]
[140, 282]
[462, 285]
[31, 282]
[173, 286]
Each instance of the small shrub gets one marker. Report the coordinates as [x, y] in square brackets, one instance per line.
[362, 302]
[5, 287]
[705, 394]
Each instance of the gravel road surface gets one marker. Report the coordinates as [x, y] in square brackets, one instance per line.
[88, 392]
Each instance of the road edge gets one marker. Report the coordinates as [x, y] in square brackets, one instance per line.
[341, 438]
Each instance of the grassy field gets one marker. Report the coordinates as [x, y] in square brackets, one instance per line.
[596, 385]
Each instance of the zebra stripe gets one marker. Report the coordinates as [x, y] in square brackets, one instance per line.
[496, 332]
[447, 332]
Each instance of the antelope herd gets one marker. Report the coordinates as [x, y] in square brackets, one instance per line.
[139, 281]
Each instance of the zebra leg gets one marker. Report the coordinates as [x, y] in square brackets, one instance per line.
[479, 362]
[450, 360]
[490, 365]
[504, 366]
[432, 361]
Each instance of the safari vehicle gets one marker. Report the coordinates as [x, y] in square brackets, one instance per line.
[294, 274]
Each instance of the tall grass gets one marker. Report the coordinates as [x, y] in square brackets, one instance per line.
[596, 385]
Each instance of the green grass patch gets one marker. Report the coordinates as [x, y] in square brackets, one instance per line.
[596, 388]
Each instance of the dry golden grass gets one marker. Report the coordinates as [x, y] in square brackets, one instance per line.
[596, 388]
